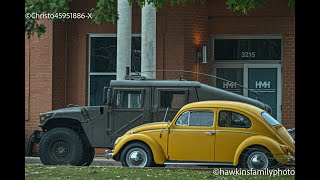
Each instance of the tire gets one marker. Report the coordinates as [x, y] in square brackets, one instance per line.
[88, 151]
[61, 146]
[142, 154]
[87, 156]
[256, 158]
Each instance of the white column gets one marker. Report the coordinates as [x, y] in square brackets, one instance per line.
[123, 38]
[148, 41]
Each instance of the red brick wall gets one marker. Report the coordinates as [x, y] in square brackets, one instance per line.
[179, 31]
[288, 81]
[38, 79]
[58, 66]
[173, 50]
[196, 34]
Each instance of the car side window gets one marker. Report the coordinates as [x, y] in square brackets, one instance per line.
[233, 119]
[196, 118]
[128, 99]
[183, 119]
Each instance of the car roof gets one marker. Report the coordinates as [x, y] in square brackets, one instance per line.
[225, 104]
[148, 83]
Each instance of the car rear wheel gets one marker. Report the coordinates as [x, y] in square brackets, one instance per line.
[256, 158]
[137, 155]
[60, 146]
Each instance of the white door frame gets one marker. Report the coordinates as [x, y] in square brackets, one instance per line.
[279, 81]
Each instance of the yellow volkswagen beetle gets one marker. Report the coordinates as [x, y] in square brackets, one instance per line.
[209, 133]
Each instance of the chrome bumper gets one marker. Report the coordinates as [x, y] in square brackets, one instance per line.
[109, 154]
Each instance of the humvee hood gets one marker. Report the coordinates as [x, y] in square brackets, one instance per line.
[76, 112]
[66, 110]
[149, 126]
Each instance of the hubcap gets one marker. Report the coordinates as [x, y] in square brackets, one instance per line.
[258, 160]
[60, 150]
[136, 157]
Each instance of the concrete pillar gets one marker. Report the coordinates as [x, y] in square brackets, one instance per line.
[148, 41]
[123, 38]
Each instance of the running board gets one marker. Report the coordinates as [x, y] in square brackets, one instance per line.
[197, 163]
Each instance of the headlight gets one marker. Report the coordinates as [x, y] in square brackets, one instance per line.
[44, 116]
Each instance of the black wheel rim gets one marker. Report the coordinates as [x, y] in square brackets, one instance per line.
[60, 150]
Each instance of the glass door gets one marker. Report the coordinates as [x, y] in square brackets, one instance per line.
[265, 79]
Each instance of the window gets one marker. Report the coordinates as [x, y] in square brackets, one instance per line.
[128, 99]
[172, 99]
[103, 63]
[136, 54]
[233, 119]
[196, 118]
[247, 49]
[269, 119]
[183, 119]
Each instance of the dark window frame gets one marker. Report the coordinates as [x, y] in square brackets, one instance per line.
[159, 90]
[114, 98]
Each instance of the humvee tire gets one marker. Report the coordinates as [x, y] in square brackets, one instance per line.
[61, 146]
[87, 156]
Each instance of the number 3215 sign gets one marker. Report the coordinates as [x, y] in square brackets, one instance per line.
[247, 54]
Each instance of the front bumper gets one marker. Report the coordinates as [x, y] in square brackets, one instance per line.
[109, 154]
[285, 159]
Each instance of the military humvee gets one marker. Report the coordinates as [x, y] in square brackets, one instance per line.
[70, 135]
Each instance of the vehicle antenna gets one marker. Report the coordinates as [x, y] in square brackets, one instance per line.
[164, 119]
[165, 115]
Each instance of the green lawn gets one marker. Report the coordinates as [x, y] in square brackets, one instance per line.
[38, 171]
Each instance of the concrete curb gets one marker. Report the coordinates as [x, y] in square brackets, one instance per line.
[97, 161]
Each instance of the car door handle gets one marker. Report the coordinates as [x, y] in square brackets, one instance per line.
[210, 132]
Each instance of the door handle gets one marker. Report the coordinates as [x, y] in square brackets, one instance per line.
[210, 132]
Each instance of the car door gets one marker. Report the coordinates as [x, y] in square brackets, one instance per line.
[232, 128]
[129, 109]
[192, 136]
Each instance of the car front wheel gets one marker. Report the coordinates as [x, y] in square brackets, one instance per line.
[137, 155]
[61, 146]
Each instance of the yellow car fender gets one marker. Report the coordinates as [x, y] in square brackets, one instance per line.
[272, 145]
[158, 154]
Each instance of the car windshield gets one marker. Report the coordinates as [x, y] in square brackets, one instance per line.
[269, 119]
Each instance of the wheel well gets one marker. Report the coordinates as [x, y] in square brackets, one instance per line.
[130, 142]
[67, 123]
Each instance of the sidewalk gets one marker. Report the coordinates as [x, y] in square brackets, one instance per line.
[97, 161]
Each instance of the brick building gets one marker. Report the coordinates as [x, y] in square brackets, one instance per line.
[65, 66]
